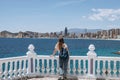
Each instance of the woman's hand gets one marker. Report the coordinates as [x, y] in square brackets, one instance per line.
[51, 55]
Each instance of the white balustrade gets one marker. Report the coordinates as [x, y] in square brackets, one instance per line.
[8, 66]
[108, 72]
[33, 64]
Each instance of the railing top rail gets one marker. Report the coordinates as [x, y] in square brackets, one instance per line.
[56, 57]
[107, 58]
[13, 58]
[71, 57]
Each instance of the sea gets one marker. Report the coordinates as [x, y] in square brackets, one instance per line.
[14, 47]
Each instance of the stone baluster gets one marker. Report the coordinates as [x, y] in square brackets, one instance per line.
[10, 71]
[48, 68]
[6, 70]
[19, 70]
[79, 67]
[119, 69]
[104, 69]
[52, 67]
[109, 68]
[98, 68]
[38, 66]
[115, 70]
[84, 67]
[24, 67]
[91, 60]
[74, 69]
[57, 65]
[43, 68]
[69, 68]
[0, 70]
[112, 69]
[15, 69]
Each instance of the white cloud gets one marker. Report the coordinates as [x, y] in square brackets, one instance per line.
[83, 16]
[67, 3]
[105, 14]
[112, 26]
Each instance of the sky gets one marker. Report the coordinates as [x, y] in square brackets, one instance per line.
[54, 15]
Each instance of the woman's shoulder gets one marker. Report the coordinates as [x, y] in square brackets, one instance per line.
[65, 45]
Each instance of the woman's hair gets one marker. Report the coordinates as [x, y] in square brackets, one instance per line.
[61, 42]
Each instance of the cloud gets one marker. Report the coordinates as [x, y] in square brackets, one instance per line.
[105, 14]
[67, 3]
[112, 26]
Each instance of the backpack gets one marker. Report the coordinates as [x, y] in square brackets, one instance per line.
[63, 53]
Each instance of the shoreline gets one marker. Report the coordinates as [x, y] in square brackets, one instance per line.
[64, 38]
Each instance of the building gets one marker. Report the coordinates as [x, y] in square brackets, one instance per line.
[66, 32]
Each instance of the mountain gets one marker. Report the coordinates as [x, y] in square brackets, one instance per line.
[78, 30]
[6, 32]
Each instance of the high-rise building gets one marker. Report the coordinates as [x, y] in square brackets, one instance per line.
[66, 31]
[117, 31]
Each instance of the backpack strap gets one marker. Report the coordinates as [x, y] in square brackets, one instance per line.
[63, 53]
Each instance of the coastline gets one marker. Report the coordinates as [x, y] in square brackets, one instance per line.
[64, 38]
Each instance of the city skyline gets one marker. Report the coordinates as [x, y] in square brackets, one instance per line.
[55, 15]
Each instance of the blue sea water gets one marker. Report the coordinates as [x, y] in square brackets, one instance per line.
[12, 47]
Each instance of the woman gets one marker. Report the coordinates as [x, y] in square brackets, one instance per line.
[62, 50]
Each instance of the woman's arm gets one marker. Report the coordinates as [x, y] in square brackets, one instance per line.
[54, 52]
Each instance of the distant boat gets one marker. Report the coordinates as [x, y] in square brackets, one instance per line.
[117, 52]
